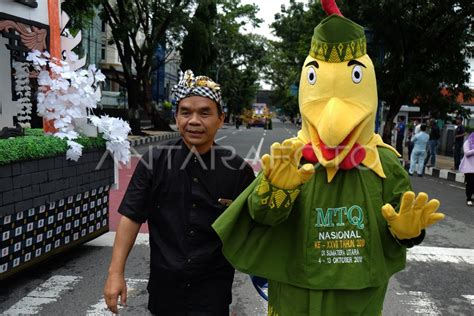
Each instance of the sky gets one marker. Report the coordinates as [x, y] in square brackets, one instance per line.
[267, 11]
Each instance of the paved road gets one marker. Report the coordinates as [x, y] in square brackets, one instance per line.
[438, 280]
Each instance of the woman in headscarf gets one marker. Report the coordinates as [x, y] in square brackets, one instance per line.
[467, 167]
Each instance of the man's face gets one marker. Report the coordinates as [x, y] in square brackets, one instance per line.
[198, 121]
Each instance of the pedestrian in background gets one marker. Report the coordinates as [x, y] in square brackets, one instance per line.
[400, 128]
[408, 142]
[459, 135]
[433, 143]
[180, 191]
[417, 125]
[417, 159]
[467, 167]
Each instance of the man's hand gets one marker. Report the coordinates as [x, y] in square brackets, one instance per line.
[115, 286]
[414, 215]
[281, 167]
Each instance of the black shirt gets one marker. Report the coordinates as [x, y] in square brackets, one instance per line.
[177, 192]
[459, 131]
[434, 133]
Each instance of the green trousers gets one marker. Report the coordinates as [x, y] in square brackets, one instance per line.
[288, 300]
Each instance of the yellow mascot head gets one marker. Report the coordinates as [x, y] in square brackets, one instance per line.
[338, 97]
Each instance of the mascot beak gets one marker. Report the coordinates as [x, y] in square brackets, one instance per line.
[339, 122]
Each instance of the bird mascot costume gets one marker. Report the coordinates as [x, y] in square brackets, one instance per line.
[329, 218]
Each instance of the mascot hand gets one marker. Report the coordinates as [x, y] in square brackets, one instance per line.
[415, 214]
[281, 166]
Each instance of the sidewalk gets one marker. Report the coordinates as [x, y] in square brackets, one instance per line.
[442, 170]
[153, 136]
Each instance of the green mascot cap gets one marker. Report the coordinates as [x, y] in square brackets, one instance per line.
[337, 39]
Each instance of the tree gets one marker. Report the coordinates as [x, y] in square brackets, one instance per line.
[424, 45]
[80, 13]
[241, 56]
[426, 49]
[294, 26]
[215, 45]
[198, 50]
[138, 27]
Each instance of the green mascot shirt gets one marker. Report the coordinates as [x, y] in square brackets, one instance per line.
[336, 240]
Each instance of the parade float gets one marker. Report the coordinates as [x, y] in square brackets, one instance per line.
[55, 181]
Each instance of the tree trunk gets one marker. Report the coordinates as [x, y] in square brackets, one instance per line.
[133, 107]
[159, 123]
[388, 127]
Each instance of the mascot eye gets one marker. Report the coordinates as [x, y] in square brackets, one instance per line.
[311, 75]
[357, 74]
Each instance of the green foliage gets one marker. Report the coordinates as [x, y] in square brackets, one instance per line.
[198, 50]
[36, 145]
[138, 27]
[167, 105]
[426, 43]
[241, 56]
[215, 44]
[294, 26]
[80, 13]
[418, 47]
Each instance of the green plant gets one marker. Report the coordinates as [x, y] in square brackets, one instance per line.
[36, 145]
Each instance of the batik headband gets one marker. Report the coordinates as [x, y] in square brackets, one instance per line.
[203, 86]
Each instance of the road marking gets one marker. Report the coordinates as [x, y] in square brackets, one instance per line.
[46, 293]
[233, 133]
[422, 302]
[259, 148]
[100, 308]
[456, 186]
[470, 298]
[220, 138]
[416, 254]
[107, 240]
[440, 254]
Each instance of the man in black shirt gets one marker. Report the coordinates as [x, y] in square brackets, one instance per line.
[180, 190]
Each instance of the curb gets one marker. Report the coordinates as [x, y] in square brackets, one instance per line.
[150, 139]
[440, 173]
[445, 174]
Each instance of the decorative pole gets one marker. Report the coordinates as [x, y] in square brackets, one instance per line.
[54, 48]
[54, 15]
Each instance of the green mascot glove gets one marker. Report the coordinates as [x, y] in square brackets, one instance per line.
[415, 214]
[281, 167]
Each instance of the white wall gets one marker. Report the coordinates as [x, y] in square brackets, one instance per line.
[40, 14]
[470, 84]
